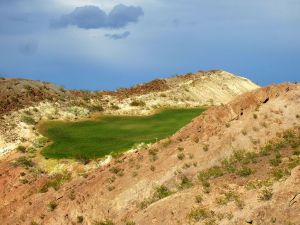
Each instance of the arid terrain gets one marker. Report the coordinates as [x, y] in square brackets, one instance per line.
[25, 102]
[237, 163]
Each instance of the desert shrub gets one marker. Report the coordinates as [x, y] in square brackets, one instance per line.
[206, 188]
[104, 222]
[31, 150]
[185, 183]
[293, 162]
[264, 124]
[134, 174]
[244, 132]
[21, 148]
[250, 157]
[255, 116]
[244, 172]
[228, 166]
[296, 152]
[79, 219]
[130, 223]
[186, 166]
[230, 196]
[266, 195]
[264, 152]
[276, 161]
[72, 195]
[28, 120]
[162, 192]
[191, 156]
[211, 221]
[137, 103]
[213, 172]
[200, 213]
[166, 142]
[180, 149]
[86, 99]
[111, 188]
[96, 108]
[196, 139]
[55, 182]
[115, 107]
[206, 175]
[198, 199]
[52, 205]
[34, 223]
[280, 173]
[40, 142]
[205, 148]
[27, 87]
[111, 179]
[152, 154]
[24, 162]
[181, 156]
[238, 155]
[116, 170]
[144, 204]
[152, 168]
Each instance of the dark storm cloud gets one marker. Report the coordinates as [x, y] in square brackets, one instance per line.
[92, 17]
[118, 36]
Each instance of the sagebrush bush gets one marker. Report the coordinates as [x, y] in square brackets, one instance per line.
[21, 148]
[181, 156]
[162, 192]
[28, 120]
[266, 195]
[55, 182]
[52, 205]
[199, 214]
[24, 162]
[137, 103]
[185, 182]
[244, 172]
[104, 222]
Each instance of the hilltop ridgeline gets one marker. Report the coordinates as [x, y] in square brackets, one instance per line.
[202, 88]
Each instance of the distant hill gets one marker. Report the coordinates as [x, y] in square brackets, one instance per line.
[202, 88]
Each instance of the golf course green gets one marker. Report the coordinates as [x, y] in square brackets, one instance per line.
[111, 134]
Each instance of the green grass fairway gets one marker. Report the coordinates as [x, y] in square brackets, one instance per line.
[112, 134]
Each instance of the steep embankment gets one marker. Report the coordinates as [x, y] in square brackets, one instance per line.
[181, 180]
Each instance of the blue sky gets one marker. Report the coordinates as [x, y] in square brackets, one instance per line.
[106, 44]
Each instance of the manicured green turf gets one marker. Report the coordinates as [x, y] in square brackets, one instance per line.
[112, 134]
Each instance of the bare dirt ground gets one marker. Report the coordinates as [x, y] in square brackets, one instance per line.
[180, 180]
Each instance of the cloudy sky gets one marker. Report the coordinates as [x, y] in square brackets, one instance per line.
[106, 44]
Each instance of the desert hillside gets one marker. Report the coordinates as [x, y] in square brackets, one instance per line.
[237, 163]
[25, 102]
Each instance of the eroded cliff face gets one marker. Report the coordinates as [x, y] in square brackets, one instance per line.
[184, 179]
